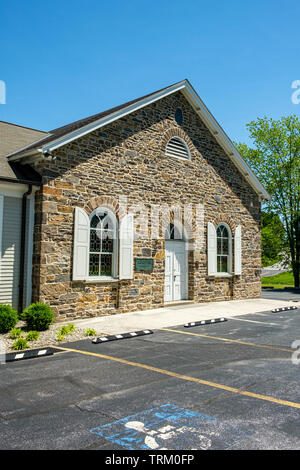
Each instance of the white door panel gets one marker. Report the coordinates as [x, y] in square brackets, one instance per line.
[175, 271]
[168, 276]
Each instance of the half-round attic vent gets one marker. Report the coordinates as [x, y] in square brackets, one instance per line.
[177, 147]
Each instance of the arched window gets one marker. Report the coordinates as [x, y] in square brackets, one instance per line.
[173, 233]
[223, 249]
[176, 147]
[103, 243]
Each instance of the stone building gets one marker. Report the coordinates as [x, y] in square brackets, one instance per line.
[138, 206]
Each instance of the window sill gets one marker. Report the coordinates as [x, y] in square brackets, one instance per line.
[98, 280]
[221, 275]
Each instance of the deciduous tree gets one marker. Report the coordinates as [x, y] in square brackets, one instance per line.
[275, 158]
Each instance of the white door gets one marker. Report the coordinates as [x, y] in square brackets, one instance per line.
[176, 271]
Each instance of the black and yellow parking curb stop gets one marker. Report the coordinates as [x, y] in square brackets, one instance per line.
[133, 334]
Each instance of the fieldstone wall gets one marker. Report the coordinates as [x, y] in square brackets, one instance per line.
[127, 159]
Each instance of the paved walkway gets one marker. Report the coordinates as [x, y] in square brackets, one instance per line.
[177, 315]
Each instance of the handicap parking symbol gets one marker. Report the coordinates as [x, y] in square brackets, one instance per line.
[169, 427]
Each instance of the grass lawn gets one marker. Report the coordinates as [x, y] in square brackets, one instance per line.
[279, 281]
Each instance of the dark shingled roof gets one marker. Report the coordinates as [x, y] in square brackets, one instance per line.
[61, 131]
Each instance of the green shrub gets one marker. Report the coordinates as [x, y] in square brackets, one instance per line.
[90, 332]
[60, 336]
[8, 318]
[67, 329]
[19, 344]
[32, 336]
[15, 333]
[70, 328]
[38, 316]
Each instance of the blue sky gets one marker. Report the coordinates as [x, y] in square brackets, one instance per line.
[65, 60]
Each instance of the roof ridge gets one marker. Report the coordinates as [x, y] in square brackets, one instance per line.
[111, 110]
[75, 125]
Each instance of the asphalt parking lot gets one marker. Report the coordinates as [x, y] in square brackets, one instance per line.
[281, 294]
[230, 385]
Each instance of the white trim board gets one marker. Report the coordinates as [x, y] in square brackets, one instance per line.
[28, 295]
[199, 107]
[1, 227]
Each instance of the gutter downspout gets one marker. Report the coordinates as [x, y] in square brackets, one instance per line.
[22, 250]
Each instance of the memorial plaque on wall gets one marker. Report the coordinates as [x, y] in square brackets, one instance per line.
[144, 264]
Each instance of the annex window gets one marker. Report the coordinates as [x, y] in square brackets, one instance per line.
[223, 249]
[102, 243]
[176, 147]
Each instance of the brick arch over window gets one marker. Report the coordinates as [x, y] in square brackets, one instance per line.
[232, 224]
[176, 132]
[102, 201]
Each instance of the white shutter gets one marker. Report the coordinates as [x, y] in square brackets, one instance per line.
[126, 247]
[238, 250]
[211, 249]
[81, 244]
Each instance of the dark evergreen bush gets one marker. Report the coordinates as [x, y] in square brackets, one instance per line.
[38, 316]
[8, 318]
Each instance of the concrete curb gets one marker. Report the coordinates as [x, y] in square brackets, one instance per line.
[29, 354]
[133, 334]
[283, 309]
[204, 322]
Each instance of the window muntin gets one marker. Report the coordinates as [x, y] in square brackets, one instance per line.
[102, 244]
[176, 147]
[223, 249]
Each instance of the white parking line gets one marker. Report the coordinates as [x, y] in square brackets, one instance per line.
[254, 321]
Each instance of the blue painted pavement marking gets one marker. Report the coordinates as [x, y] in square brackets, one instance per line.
[169, 427]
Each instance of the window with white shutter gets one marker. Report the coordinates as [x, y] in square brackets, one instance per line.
[95, 245]
[219, 250]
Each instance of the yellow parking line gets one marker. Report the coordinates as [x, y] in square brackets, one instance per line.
[227, 339]
[187, 377]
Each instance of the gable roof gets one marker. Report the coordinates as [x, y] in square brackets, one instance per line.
[65, 134]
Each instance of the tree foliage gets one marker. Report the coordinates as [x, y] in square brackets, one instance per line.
[273, 240]
[275, 158]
